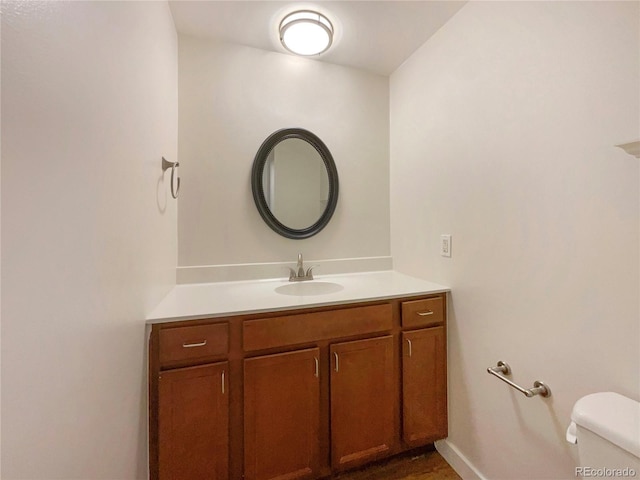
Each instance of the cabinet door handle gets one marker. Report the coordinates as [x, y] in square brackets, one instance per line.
[336, 356]
[191, 345]
[317, 367]
[409, 342]
[222, 376]
[424, 314]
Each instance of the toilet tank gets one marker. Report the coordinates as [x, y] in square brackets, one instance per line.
[606, 427]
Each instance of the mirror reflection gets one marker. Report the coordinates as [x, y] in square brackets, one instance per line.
[295, 183]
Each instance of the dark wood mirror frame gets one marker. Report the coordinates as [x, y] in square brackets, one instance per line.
[257, 188]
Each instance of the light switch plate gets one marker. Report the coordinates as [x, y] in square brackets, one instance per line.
[445, 245]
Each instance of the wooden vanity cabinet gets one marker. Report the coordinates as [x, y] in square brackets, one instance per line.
[297, 394]
[189, 408]
[282, 415]
[193, 420]
[424, 386]
[424, 370]
[362, 401]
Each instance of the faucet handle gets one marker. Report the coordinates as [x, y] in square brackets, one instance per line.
[309, 275]
[292, 274]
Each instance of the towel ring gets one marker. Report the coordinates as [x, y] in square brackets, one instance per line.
[166, 164]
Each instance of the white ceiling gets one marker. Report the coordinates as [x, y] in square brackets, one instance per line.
[372, 35]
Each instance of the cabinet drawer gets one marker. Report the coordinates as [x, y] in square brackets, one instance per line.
[423, 313]
[181, 344]
[310, 327]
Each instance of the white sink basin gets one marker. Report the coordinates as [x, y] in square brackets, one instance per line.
[309, 288]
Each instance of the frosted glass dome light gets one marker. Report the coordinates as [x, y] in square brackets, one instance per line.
[306, 32]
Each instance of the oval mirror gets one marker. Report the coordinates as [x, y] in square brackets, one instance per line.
[295, 183]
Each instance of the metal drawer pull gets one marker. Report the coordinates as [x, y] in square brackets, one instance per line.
[317, 367]
[409, 342]
[336, 355]
[424, 314]
[223, 382]
[191, 345]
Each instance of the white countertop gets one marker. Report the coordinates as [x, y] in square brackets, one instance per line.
[209, 300]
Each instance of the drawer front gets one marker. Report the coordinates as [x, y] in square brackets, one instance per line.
[423, 313]
[273, 332]
[181, 344]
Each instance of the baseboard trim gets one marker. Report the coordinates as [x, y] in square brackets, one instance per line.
[261, 271]
[458, 461]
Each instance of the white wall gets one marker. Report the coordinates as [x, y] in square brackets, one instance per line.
[231, 99]
[89, 107]
[503, 128]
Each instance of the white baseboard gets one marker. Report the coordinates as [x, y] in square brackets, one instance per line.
[260, 271]
[458, 461]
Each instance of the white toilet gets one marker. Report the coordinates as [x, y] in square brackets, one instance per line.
[606, 427]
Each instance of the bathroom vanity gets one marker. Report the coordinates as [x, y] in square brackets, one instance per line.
[295, 385]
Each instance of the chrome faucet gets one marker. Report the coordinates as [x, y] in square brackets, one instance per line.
[299, 275]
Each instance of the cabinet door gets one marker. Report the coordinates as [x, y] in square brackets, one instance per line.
[282, 415]
[362, 401]
[424, 386]
[194, 423]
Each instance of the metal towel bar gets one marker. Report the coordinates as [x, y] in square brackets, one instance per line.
[503, 368]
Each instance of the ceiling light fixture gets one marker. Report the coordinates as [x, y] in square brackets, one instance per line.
[306, 32]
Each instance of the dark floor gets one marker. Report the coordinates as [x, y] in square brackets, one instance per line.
[427, 465]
